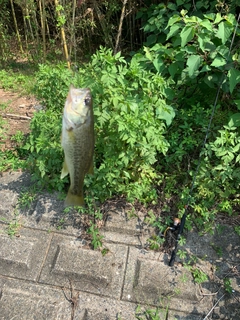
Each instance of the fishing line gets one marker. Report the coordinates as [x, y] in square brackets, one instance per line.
[180, 226]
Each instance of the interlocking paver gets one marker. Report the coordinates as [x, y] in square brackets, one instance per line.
[149, 280]
[22, 256]
[46, 272]
[91, 271]
[8, 201]
[21, 300]
[48, 214]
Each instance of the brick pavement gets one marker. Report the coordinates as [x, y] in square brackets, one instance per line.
[47, 272]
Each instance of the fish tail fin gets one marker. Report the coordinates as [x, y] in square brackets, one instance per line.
[65, 171]
[74, 200]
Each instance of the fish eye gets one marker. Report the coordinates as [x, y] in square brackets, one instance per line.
[87, 101]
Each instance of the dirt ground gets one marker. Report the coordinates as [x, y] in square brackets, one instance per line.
[16, 112]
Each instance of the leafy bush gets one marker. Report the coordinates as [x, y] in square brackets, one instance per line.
[52, 83]
[131, 114]
[150, 129]
[192, 48]
[45, 155]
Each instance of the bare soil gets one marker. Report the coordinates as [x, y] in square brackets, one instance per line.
[16, 112]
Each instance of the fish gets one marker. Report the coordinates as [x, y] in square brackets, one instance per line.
[77, 141]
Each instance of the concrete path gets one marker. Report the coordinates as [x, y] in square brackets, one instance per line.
[48, 272]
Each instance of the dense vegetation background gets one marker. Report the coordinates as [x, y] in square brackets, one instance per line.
[154, 68]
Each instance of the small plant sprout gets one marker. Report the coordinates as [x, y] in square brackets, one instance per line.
[26, 198]
[13, 227]
[228, 285]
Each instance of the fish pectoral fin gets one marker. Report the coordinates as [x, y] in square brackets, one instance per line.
[65, 171]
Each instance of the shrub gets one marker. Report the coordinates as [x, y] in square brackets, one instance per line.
[131, 115]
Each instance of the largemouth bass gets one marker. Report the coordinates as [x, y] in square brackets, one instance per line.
[77, 142]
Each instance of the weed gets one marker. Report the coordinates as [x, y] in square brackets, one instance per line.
[18, 137]
[218, 250]
[131, 213]
[13, 227]
[26, 198]
[184, 278]
[155, 242]
[198, 275]
[151, 314]
[95, 216]
[237, 230]
[3, 106]
[228, 285]
[61, 223]
[16, 81]
[182, 254]
[96, 237]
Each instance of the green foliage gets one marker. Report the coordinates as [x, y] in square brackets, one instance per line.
[93, 210]
[12, 79]
[151, 314]
[198, 275]
[219, 177]
[131, 116]
[13, 227]
[228, 285]
[191, 47]
[151, 114]
[130, 108]
[52, 85]
[26, 198]
[237, 230]
[96, 237]
[44, 150]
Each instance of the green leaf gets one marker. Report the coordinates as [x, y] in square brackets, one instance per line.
[173, 69]
[205, 68]
[218, 62]
[158, 63]
[210, 16]
[235, 118]
[165, 114]
[223, 51]
[173, 30]
[231, 18]
[234, 78]
[206, 24]
[193, 63]
[224, 31]
[148, 53]
[237, 103]
[218, 18]
[175, 18]
[187, 35]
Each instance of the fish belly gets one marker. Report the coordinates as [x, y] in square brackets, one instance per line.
[78, 145]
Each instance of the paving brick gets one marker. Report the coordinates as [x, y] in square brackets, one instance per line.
[90, 270]
[21, 300]
[149, 280]
[95, 307]
[118, 221]
[49, 215]
[139, 240]
[8, 201]
[22, 256]
[223, 245]
[14, 180]
[121, 228]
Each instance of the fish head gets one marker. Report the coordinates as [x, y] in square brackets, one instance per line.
[78, 106]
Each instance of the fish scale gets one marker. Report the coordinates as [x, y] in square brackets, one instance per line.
[77, 142]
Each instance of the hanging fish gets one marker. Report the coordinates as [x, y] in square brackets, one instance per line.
[77, 142]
